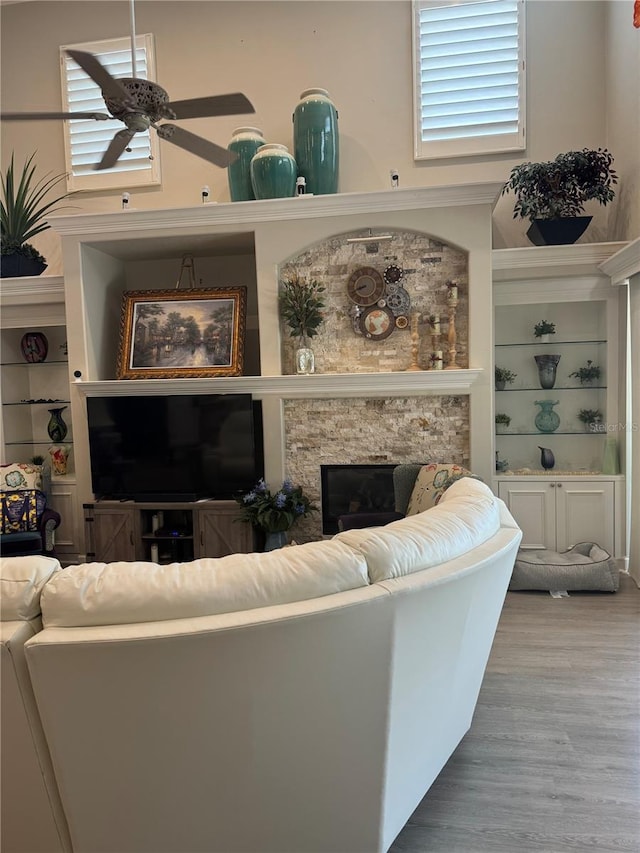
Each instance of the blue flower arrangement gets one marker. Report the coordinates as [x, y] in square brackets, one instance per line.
[275, 513]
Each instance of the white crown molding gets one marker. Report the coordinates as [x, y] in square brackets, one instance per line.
[537, 262]
[31, 288]
[267, 210]
[624, 264]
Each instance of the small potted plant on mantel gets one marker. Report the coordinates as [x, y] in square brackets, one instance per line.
[543, 331]
[502, 376]
[23, 211]
[301, 305]
[553, 194]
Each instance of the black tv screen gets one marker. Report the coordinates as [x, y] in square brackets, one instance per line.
[182, 447]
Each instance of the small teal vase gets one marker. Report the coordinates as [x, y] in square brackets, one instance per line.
[547, 420]
[316, 142]
[273, 172]
[245, 142]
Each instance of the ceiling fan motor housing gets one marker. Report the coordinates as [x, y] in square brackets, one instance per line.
[145, 96]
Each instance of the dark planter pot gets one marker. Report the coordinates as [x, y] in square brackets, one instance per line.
[557, 232]
[16, 266]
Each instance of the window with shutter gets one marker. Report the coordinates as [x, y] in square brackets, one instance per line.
[86, 140]
[469, 77]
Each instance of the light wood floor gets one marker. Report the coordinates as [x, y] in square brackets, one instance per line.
[552, 761]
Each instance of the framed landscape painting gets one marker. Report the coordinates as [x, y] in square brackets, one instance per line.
[168, 334]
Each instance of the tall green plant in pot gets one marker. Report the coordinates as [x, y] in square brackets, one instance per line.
[301, 305]
[553, 194]
[24, 207]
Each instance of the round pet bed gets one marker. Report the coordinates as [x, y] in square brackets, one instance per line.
[586, 566]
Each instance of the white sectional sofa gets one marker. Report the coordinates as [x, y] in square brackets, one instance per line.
[299, 701]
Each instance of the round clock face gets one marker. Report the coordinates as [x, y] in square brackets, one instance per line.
[377, 323]
[365, 287]
[400, 301]
[393, 274]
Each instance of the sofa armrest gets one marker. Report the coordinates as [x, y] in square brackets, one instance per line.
[357, 520]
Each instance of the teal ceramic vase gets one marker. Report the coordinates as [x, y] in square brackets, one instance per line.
[245, 142]
[273, 172]
[547, 420]
[316, 142]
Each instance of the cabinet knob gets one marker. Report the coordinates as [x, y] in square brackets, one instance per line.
[559, 485]
[553, 485]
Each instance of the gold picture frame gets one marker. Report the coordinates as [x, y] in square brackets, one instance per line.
[173, 334]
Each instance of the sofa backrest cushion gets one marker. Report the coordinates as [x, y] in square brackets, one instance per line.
[128, 592]
[467, 515]
[22, 580]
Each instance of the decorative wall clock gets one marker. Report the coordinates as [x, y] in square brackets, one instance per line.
[377, 323]
[365, 287]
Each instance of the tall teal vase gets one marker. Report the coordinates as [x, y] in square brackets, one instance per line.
[315, 141]
[245, 142]
[273, 172]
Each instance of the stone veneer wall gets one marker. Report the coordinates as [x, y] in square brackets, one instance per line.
[369, 431]
[427, 264]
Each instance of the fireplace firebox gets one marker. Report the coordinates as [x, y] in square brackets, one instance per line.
[354, 489]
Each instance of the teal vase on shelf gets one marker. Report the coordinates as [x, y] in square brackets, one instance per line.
[273, 172]
[315, 141]
[547, 420]
[245, 142]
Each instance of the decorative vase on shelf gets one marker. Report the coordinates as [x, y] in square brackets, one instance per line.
[316, 142]
[547, 420]
[34, 347]
[56, 427]
[547, 459]
[245, 142]
[611, 460]
[59, 458]
[547, 368]
[273, 172]
[275, 540]
[305, 359]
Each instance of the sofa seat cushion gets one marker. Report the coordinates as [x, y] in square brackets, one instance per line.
[467, 515]
[22, 580]
[129, 592]
[431, 483]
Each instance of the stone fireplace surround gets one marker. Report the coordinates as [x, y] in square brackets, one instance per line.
[367, 411]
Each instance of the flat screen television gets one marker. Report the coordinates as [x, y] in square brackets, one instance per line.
[174, 448]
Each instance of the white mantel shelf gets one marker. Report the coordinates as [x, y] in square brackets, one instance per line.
[247, 213]
[316, 386]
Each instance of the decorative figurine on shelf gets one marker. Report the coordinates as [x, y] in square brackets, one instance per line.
[415, 341]
[547, 459]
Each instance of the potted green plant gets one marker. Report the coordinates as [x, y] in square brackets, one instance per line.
[543, 329]
[301, 305]
[502, 376]
[591, 418]
[502, 422]
[23, 211]
[275, 513]
[586, 374]
[553, 194]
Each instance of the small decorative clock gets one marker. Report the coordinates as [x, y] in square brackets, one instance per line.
[365, 287]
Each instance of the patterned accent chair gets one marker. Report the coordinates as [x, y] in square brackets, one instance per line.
[27, 523]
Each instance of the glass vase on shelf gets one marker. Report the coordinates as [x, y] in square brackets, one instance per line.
[305, 358]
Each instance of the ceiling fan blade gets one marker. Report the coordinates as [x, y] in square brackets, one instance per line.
[47, 116]
[115, 149]
[197, 145]
[215, 105]
[109, 85]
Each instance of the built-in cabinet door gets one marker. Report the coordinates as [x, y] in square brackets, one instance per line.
[110, 533]
[533, 505]
[220, 533]
[62, 498]
[585, 513]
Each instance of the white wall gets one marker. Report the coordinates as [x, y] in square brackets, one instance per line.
[360, 52]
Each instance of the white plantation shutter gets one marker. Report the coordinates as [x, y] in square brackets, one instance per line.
[86, 140]
[469, 77]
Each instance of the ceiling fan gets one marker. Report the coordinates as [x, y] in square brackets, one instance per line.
[140, 104]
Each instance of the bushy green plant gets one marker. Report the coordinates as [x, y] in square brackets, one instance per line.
[23, 208]
[588, 373]
[588, 416]
[503, 419]
[544, 327]
[503, 374]
[275, 513]
[301, 305]
[561, 187]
